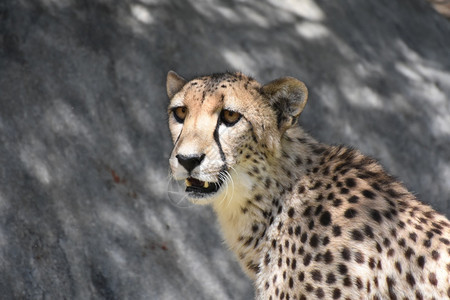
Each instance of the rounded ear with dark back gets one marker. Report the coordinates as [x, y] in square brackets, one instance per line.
[174, 83]
[287, 96]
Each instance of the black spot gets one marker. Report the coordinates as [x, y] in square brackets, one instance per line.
[304, 237]
[301, 276]
[291, 212]
[350, 213]
[301, 189]
[336, 293]
[318, 257]
[368, 194]
[387, 214]
[342, 269]
[357, 235]
[347, 281]
[378, 247]
[344, 191]
[418, 295]
[307, 211]
[375, 214]
[413, 236]
[291, 282]
[290, 230]
[294, 264]
[401, 242]
[316, 275]
[317, 185]
[409, 252]
[346, 253]
[328, 257]
[372, 263]
[280, 225]
[376, 186]
[368, 231]
[267, 259]
[330, 196]
[320, 293]
[331, 278]
[398, 266]
[350, 182]
[307, 259]
[432, 278]
[427, 243]
[298, 230]
[410, 279]
[311, 224]
[326, 241]
[249, 241]
[337, 230]
[353, 199]
[359, 283]
[444, 241]
[325, 218]
[337, 202]
[279, 210]
[391, 283]
[421, 261]
[359, 257]
[435, 255]
[314, 241]
[318, 210]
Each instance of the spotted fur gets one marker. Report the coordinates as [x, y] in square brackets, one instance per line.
[305, 220]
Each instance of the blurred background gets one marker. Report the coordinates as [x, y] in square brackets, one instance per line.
[85, 207]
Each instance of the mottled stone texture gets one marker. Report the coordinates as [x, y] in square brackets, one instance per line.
[85, 211]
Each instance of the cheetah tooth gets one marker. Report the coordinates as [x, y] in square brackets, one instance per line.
[188, 183]
[206, 185]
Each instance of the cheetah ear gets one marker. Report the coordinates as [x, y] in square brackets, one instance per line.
[288, 97]
[174, 83]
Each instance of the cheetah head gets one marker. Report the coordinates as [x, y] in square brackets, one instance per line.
[220, 121]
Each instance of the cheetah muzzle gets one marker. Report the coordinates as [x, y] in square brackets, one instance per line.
[305, 220]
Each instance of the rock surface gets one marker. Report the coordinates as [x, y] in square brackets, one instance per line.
[86, 207]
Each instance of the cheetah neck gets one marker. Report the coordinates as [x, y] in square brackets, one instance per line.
[255, 196]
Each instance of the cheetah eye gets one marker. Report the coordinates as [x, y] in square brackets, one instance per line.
[180, 113]
[229, 118]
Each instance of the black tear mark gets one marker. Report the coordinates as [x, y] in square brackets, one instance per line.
[216, 138]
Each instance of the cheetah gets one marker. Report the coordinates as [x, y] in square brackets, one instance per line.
[305, 220]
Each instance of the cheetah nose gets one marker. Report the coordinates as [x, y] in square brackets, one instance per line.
[190, 162]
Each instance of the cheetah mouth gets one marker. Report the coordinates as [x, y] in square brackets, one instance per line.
[199, 188]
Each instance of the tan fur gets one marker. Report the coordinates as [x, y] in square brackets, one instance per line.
[305, 220]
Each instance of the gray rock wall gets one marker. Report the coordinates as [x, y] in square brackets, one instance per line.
[86, 207]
